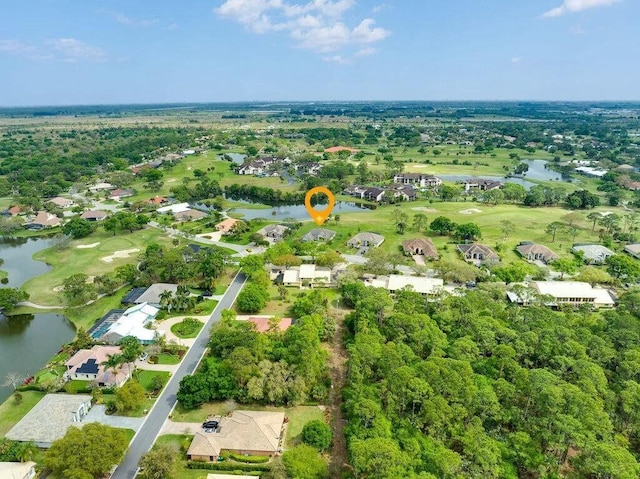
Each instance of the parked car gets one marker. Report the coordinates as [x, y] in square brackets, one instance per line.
[210, 424]
[143, 357]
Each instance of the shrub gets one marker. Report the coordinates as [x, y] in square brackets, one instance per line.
[317, 434]
[227, 466]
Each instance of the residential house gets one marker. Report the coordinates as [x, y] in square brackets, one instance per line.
[262, 323]
[355, 190]
[592, 171]
[420, 246]
[633, 250]
[20, 470]
[254, 433]
[158, 201]
[593, 253]
[397, 282]
[151, 295]
[368, 239]
[136, 321]
[225, 226]
[263, 166]
[374, 193]
[94, 215]
[319, 234]
[174, 208]
[536, 252]
[43, 220]
[568, 292]
[118, 194]
[61, 202]
[477, 253]
[479, 184]
[189, 215]
[306, 275]
[50, 418]
[405, 193]
[87, 365]
[417, 179]
[275, 232]
[13, 211]
[101, 187]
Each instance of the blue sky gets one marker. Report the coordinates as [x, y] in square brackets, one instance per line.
[118, 51]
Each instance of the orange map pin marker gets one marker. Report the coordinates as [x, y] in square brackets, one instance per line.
[319, 216]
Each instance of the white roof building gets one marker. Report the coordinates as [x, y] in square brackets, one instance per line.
[396, 282]
[134, 322]
[306, 275]
[569, 292]
[176, 208]
[21, 470]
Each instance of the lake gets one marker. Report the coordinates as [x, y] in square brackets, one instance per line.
[537, 171]
[27, 341]
[296, 212]
[237, 158]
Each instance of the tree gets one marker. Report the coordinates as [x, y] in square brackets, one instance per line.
[252, 299]
[623, 267]
[328, 259]
[158, 463]
[571, 218]
[13, 379]
[317, 433]
[582, 199]
[468, 232]
[102, 447]
[594, 275]
[420, 221]
[564, 266]
[401, 219]
[553, 228]
[130, 396]
[442, 225]
[76, 290]
[304, 462]
[378, 458]
[595, 218]
[10, 297]
[606, 460]
[377, 262]
[448, 193]
[506, 226]
[79, 227]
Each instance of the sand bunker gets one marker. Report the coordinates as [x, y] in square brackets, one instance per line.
[470, 211]
[425, 209]
[212, 235]
[87, 246]
[120, 254]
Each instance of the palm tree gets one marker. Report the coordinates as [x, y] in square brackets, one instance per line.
[165, 299]
[112, 362]
[594, 218]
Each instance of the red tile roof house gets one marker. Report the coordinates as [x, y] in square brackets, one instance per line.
[94, 215]
[86, 365]
[338, 149]
[15, 210]
[158, 200]
[225, 226]
[43, 220]
[61, 202]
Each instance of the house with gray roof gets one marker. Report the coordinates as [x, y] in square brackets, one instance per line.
[593, 253]
[536, 252]
[276, 232]
[366, 238]
[477, 253]
[319, 234]
[633, 250]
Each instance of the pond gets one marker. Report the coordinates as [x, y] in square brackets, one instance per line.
[296, 212]
[27, 341]
[237, 158]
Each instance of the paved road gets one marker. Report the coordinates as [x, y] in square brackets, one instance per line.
[145, 437]
[239, 249]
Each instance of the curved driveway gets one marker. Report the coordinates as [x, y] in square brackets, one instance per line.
[146, 435]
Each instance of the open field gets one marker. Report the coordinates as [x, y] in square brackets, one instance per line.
[72, 260]
[529, 224]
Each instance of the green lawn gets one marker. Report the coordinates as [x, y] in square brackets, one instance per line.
[72, 260]
[145, 378]
[11, 413]
[298, 416]
[168, 359]
[181, 443]
[185, 330]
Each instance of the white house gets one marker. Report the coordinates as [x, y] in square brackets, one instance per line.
[135, 321]
[418, 284]
[175, 208]
[18, 470]
[308, 275]
[568, 292]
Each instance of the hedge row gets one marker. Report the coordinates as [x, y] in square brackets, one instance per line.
[228, 466]
[250, 459]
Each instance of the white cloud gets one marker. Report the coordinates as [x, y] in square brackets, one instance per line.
[516, 59]
[72, 51]
[364, 52]
[338, 59]
[127, 20]
[577, 30]
[15, 47]
[317, 25]
[573, 6]
[381, 7]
